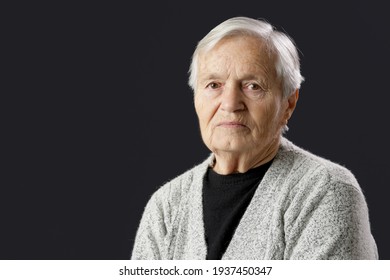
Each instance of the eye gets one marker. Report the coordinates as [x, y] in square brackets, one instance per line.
[213, 85]
[254, 86]
[253, 90]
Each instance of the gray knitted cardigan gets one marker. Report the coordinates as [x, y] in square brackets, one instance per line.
[306, 207]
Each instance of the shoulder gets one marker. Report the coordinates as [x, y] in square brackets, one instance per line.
[310, 180]
[313, 167]
[324, 200]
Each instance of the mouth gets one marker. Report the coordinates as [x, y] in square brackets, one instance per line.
[231, 124]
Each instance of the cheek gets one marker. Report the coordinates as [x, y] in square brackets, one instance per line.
[266, 117]
[199, 108]
[203, 110]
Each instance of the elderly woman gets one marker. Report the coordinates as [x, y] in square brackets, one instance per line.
[258, 196]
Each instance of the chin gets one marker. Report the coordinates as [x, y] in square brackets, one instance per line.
[230, 146]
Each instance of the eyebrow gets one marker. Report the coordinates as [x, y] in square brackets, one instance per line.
[213, 76]
[210, 76]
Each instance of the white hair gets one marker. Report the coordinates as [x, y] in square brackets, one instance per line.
[287, 64]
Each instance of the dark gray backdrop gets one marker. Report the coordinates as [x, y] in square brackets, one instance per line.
[97, 112]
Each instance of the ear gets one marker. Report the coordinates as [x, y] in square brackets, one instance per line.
[291, 104]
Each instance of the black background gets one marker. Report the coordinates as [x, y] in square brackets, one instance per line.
[97, 114]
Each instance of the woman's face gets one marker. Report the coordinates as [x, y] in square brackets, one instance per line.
[238, 97]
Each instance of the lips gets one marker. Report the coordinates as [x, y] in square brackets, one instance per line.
[231, 124]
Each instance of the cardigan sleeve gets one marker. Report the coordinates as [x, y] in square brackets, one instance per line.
[332, 223]
[150, 237]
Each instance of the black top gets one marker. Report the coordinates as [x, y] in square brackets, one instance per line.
[225, 199]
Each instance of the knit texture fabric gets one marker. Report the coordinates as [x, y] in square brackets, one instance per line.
[306, 207]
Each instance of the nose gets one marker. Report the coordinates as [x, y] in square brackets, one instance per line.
[232, 99]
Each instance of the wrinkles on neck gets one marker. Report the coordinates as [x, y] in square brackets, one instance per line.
[227, 162]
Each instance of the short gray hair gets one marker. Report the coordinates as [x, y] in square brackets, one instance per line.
[287, 59]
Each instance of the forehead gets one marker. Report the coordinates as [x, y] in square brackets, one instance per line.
[240, 54]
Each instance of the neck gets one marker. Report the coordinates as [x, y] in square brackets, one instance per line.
[227, 162]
